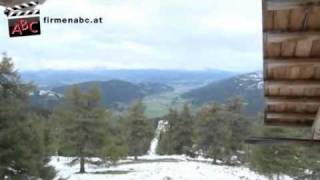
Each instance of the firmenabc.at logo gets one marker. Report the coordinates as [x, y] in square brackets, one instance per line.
[22, 20]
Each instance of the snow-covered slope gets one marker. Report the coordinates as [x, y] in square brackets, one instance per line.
[250, 81]
[153, 167]
[154, 143]
[161, 168]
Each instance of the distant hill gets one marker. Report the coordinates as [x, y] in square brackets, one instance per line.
[249, 86]
[116, 91]
[45, 99]
[54, 78]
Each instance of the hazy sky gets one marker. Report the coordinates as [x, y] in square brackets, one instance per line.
[158, 34]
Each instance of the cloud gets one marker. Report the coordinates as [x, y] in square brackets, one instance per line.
[175, 34]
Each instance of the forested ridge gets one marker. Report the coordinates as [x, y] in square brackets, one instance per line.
[115, 94]
[249, 86]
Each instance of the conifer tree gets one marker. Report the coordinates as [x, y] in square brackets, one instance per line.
[212, 132]
[179, 136]
[116, 145]
[276, 160]
[83, 123]
[167, 143]
[235, 104]
[240, 125]
[139, 130]
[22, 149]
[182, 132]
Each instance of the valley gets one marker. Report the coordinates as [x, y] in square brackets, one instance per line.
[160, 97]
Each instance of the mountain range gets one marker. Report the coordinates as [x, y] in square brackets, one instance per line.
[48, 79]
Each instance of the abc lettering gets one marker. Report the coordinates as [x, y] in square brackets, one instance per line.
[23, 25]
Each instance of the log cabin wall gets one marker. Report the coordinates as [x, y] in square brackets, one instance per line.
[291, 41]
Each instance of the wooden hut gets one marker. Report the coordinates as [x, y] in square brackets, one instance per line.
[291, 45]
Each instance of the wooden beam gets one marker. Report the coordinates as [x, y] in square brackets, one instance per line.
[289, 4]
[277, 122]
[297, 106]
[276, 37]
[295, 100]
[271, 63]
[293, 59]
[288, 119]
[293, 83]
[290, 116]
[292, 70]
[295, 88]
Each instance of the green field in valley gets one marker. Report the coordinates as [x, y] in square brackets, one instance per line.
[158, 105]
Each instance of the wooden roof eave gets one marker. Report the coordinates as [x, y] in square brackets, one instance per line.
[289, 4]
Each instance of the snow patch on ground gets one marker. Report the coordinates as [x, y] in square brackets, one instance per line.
[251, 81]
[177, 167]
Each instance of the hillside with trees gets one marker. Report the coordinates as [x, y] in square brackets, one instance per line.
[216, 131]
[249, 86]
[115, 94]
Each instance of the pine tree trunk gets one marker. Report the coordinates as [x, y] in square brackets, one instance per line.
[82, 161]
[313, 176]
[136, 158]
[228, 162]
[82, 168]
[214, 160]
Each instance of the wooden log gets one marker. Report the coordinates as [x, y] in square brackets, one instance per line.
[276, 37]
[268, 17]
[289, 4]
[292, 88]
[292, 104]
[292, 69]
[281, 20]
[272, 49]
[292, 61]
[295, 100]
[295, 105]
[288, 48]
[288, 119]
[292, 108]
[296, 83]
[313, 22]
[315, 50]
[297, 19]
[303, 48]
